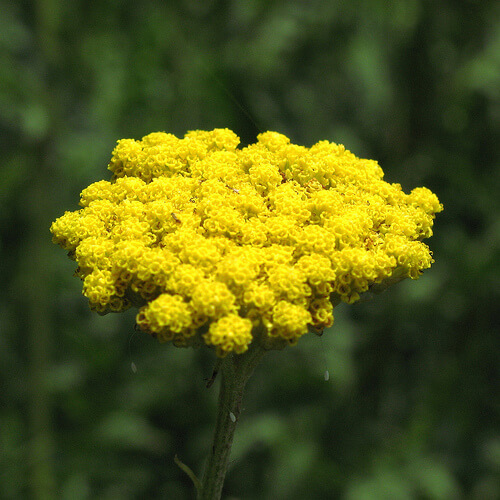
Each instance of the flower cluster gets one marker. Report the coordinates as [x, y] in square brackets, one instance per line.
[220, 245]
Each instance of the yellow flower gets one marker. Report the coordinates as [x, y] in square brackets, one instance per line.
[165, 316]
[231, 333]
[222, 245]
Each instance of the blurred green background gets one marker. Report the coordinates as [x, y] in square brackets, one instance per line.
[412, 407]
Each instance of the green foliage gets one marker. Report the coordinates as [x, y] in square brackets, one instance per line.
[411, 409]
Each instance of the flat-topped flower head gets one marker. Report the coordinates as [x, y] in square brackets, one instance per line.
[226, 246]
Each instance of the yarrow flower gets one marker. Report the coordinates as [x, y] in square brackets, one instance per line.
[228, 246]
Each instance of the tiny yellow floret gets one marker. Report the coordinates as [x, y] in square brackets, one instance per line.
[232, 333]
[226, 246]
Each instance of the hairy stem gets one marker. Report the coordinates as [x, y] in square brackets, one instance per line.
[235, 371]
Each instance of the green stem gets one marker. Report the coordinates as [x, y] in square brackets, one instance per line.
[235, 372]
